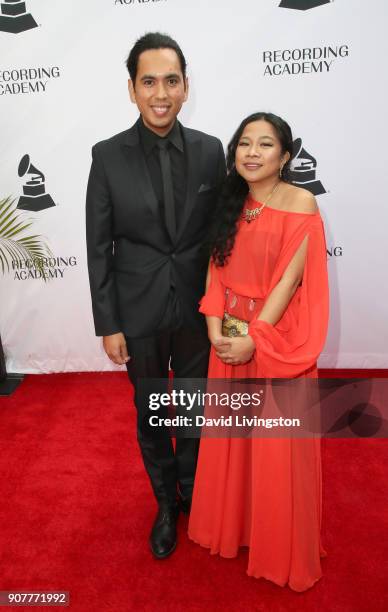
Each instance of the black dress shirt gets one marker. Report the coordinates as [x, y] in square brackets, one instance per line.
[149, 142]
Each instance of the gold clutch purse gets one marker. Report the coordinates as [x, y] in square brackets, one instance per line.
[232, 326]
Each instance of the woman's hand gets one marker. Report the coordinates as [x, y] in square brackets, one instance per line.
[219, 342]
[235, 351]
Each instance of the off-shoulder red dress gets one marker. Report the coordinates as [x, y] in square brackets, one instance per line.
[260, 492]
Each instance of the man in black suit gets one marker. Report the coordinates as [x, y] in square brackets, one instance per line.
[151, 193]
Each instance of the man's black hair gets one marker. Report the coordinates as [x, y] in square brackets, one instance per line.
[153, 40]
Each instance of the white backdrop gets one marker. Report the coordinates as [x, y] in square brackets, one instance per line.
[327, 79]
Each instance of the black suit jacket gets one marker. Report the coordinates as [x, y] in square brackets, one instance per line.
[131, 257]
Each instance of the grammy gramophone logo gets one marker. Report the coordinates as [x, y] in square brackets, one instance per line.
[14, 17]
[34, 190]
[304, 169]
[302, 5]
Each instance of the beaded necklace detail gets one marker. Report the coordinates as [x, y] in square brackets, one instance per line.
[250, 214]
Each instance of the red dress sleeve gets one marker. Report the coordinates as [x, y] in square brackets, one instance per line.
[292, 346]
[213, 302]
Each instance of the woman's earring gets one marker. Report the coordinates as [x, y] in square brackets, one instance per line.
[281, 171]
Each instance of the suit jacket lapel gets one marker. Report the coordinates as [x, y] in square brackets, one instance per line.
[138, 168]
[193, 157]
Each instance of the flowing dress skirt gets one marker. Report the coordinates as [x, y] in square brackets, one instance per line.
[261, 493]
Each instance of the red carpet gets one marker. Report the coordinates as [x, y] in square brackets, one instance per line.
[76, 511]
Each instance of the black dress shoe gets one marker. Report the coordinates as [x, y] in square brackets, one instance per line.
[184, 504]
[163, 534]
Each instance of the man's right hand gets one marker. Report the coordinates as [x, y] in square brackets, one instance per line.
[116, 348]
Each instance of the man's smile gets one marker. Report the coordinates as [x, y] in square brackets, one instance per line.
[160, 109]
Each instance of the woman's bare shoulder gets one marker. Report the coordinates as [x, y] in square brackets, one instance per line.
[297, 199]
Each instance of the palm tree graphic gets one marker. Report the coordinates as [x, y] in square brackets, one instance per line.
[15, 244]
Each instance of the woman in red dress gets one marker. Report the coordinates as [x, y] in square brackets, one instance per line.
[268, 267]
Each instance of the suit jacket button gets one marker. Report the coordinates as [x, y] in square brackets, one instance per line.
[173, 256]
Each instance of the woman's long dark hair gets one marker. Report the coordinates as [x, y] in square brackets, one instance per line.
[235, 189]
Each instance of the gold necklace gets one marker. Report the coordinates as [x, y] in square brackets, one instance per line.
[250, 214]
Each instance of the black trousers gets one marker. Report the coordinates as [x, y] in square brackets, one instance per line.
[187, 351]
